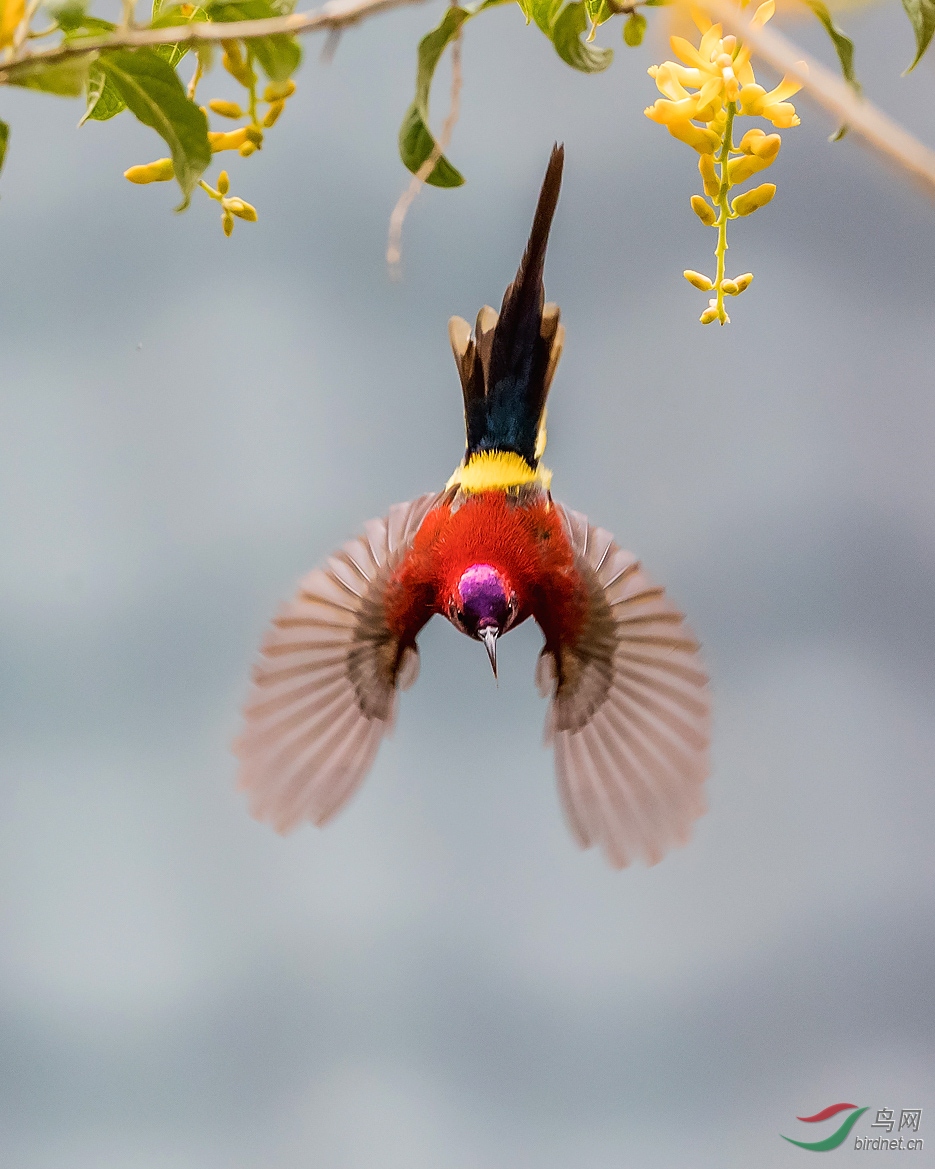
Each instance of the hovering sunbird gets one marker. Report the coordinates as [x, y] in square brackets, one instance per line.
[629, 711]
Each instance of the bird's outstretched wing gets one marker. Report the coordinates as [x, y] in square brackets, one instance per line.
[324, 689]
[630, 709]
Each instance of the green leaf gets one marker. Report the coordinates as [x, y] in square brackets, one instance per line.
[169, 17]
[74, 21]
[563, 27]
[843, 44]
[634, 29]
[921, 15]
[599, 11]
[154, 94]
[416, 142]
[66, 78]
[171, 54]
[570, 23]
[279, 56]
[544, 13]
[4, 139]
[104, 101]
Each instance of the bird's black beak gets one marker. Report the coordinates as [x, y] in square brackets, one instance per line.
[489, 635]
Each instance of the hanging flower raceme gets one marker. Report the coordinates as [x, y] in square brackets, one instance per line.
[703, 94]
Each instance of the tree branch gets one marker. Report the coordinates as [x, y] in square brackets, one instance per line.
[878, 130]
[334, 16]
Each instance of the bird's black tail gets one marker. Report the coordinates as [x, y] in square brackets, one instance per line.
[506, 367]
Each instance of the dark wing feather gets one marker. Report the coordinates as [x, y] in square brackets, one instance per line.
[630, 708]
[324, 690]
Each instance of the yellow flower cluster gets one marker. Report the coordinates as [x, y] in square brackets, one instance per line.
[703, 92]
[721, 74]
[245, 139]
[162, 171]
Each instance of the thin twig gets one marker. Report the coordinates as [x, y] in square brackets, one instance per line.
[330, 47]
[126, 20]
[196, 78]
[863, 118]
[337, 14]
[22, 31]
[398, 218]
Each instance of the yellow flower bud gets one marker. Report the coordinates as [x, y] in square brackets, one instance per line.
[768, 147]
[751, 201]
[227, 222]
[255, 135]
[712, 185]
[160, 171]
[227, 109]
[764, 146]
[741, 169]
[223, 182]
[743, 282]
[273, 113]
[279, 90]
[234, 63]
[749, 141]
[702, 283]
[709, 315]
[729, 288]
[703, 209]
[246, 150]
[704, 141]
[231, 140]
[241, 209]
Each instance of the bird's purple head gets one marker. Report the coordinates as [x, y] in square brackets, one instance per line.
[483, 599]
[483, 606]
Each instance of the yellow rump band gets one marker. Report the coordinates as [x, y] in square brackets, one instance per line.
[498, 471]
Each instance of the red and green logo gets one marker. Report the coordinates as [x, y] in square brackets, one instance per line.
[839, 1136]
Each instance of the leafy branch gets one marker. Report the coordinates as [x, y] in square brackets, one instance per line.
[132, 66]
[334, 16]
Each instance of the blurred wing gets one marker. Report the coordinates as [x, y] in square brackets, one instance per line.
[630, 709]
[324, 690]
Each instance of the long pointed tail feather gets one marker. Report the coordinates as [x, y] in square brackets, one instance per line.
[506, 368]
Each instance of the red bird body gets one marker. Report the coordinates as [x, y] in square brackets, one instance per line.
[629, 709]
[527, 545]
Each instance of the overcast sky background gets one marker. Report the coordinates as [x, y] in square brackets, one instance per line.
[441, 980]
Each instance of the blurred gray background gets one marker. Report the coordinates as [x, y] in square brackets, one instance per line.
[441, 980]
